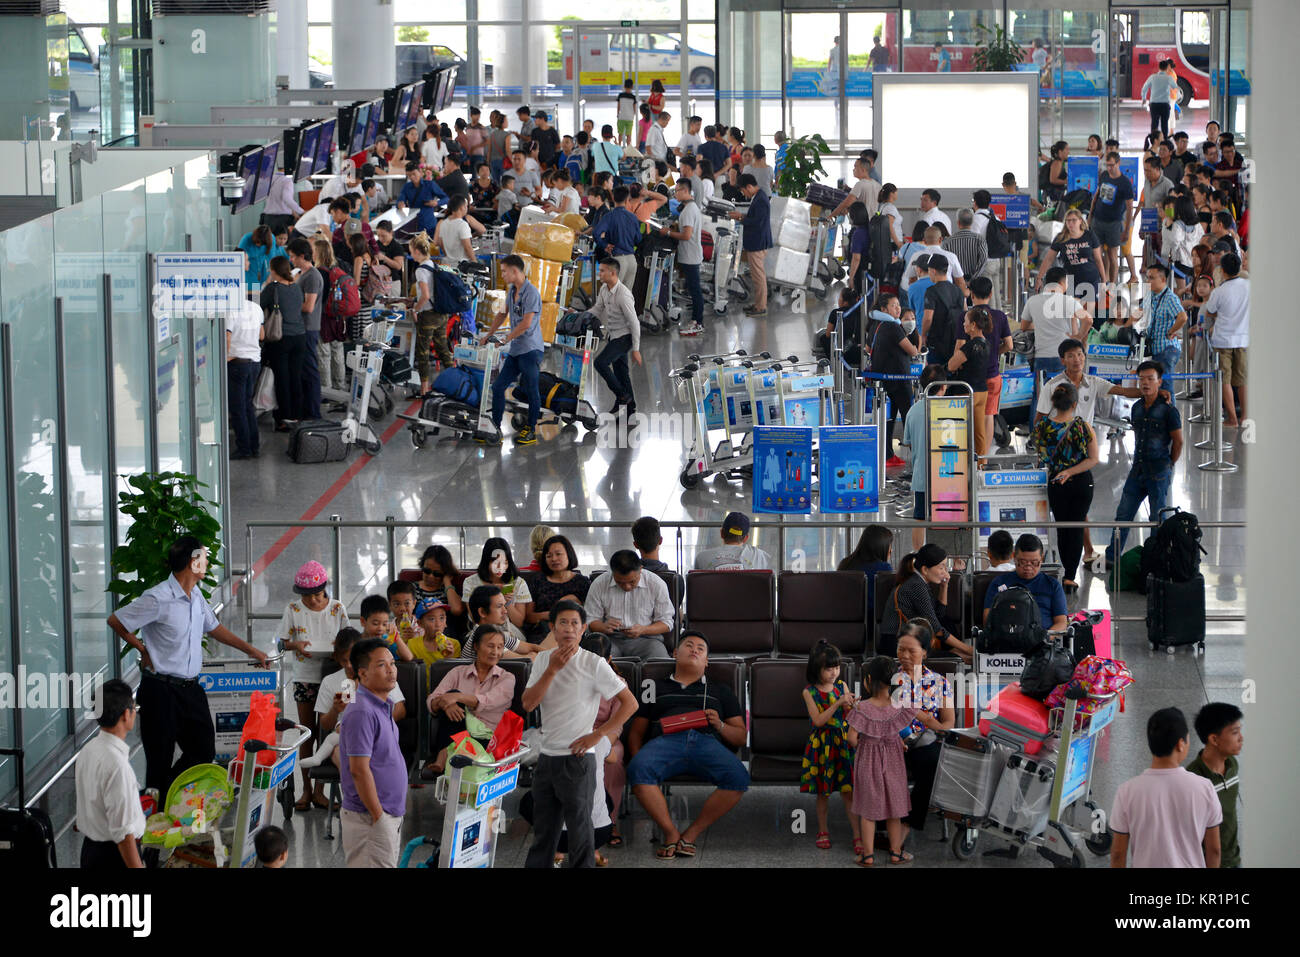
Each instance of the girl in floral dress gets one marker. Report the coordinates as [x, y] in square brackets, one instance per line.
[827, 759]
[879, 774]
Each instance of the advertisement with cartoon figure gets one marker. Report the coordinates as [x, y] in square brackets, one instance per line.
[782, 469]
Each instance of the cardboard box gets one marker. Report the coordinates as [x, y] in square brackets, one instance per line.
[550, 316]
[550, 241]
[791, 266]
[545, 275]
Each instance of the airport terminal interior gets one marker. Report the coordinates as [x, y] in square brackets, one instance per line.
[723, 355]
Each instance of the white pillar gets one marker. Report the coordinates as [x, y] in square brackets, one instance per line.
[517, 50]
[291, 53]
[1270, 773]
[364, 42]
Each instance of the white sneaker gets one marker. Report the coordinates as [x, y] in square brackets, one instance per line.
[690, 329]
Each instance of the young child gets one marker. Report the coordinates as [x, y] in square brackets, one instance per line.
[507, 202]
[402, 599]
[431, 643]
[308, 629]
[336, 694]
[272, 846]
[643, 127]
[827, 760]
[879, 774]
[376, 622]
[1218, 725]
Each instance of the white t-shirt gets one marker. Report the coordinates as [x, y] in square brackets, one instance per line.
[434, 152]
[573, 698]
[1165, 812]
[867, 192]
[730, 558]
[1090, 390]
[1231, 305]
[1051, 314]
[566, 200]
[243, 325]
[332, 684]
[655, 145]
[300, 623]
[689, 143]
[981, 225]
[936, 215]
[892, 212]
[451, 232]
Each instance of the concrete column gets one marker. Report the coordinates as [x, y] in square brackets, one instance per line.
[1270, 774]
[364, 45]
[291, 55]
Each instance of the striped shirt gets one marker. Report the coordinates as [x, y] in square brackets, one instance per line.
[970, 249]
[646, 604]
[1162, 310]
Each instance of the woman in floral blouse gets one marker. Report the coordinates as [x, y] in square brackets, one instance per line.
[1068, 449]
[931, 695]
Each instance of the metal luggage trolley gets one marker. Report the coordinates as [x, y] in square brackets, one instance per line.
[577, 368]
[720, 275]
[258, 790]
[818, 278]
[584, 280]
[473, 819]
[658, 309]
[439, 412]
[1074, 758]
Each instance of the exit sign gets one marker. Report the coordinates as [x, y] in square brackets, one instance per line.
[629, 23]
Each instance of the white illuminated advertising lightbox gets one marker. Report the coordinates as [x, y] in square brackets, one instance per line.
[955, 132]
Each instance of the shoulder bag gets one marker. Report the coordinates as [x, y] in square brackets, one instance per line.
[274, 321]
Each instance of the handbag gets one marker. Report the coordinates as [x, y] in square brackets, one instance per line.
[690, 719]
[274, 321]
[264, 391]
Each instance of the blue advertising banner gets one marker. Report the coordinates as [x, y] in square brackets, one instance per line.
[1081, 172]
[1150, 221]
[1017, 387]
[1011, 208]
[782, 469]
[847, 468]
[817, 84]
[1131, 166]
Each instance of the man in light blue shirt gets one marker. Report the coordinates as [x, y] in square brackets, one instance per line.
[172, 618]
[607, 152]
[524, 350]
[1157, 89]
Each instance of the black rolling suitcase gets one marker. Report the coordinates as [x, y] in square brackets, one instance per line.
[1176, 613]
[320, 440]
[26, 834]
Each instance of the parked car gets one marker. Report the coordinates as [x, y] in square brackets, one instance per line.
[83, 71]
[414, 60]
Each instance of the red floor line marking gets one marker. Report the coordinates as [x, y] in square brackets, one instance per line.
[285, 540]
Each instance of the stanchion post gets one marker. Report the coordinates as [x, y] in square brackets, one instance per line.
[1216, 443]
[336, 544]
[882, 422]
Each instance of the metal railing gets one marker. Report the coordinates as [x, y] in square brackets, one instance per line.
[783, 529]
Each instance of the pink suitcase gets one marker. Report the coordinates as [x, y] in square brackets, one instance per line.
[1016, 720]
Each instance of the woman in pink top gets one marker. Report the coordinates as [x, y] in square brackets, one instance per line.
[483, 688]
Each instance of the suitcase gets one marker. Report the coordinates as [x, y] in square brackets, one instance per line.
[820, 194]
[1024, 796]
[26, 834]
[1091, 639]
[1015, 720]
[1175, 612]
[967, 775]
[320, 440]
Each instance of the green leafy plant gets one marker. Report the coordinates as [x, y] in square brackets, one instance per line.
[996, 51]
[162, 507]
[412, 34]
[801, 165]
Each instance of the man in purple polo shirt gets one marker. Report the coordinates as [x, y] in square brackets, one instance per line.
[373, 772]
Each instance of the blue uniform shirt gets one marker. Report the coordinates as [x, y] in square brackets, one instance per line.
[518, 305]
[1152, 428]
[757, 233]
[416, 196]
[620, 230]
[1048, 594]
[171, 625]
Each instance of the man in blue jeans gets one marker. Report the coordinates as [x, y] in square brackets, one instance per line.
[1164, 317]
[706, 751]
[1158, 441]
[690, 253]
[523, 347]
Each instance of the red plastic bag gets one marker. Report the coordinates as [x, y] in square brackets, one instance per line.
[505, 739]
[260, 725]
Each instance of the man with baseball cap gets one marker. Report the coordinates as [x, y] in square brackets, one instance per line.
[735, 553]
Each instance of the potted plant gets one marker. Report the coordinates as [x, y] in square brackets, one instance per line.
[996, 51]
[802, 165]
[162, 507]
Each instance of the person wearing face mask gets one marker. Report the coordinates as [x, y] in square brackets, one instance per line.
[894, 345]
[172, 618]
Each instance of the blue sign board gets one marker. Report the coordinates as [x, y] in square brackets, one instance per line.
[1081, 172]
[1130, 167]
[825, 84]
[1030, 478]
[497, 787]
[847, 469]
[1011, 208]
[283, 769]
[1150, 221]
[782, 469]
[1017, 388]
[237, 682]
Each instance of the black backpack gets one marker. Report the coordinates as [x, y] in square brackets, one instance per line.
[557, 395]
[881, 246]
[997, 237]
[1045, 177]
[1174, 552]
[1049, 665]
[1014, 626]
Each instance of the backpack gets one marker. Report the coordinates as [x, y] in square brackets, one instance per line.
[1174, 552]
[451, 294]
[343, 301]
[881, 246]
[997, 237]
[1014, 626]
[459, 384]
[556, 394]
[1045, 177]
[1048, 666]
[377, 283]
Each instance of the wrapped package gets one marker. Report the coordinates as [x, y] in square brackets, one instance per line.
[550, 241]
[794, 235]
[791, 266]
[550, 316]
[574, 221]
[967, 775]
[797, 210]
[545, 275]
[1023, 798]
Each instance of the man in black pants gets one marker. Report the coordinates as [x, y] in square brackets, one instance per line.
[172, 618]
[569, 683]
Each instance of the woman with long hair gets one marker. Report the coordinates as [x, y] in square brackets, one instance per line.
[496, 566]
[869, 557]
[1068, 447]
[329, 350]
[1180, 231]
[287, 357]
[887, 197]
[430, 327]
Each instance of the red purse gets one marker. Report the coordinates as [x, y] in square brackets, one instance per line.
[684, 722]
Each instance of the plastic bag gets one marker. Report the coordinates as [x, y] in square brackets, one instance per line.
[259, 725]
[465, 744]
[507, 736]
[264, 391]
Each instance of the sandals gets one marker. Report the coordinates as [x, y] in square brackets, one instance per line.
[858, 849]
[321, 803]
[615, 840]
[666, 852]
[864, 860]
[824, 840]
[685, 848]
[304, 804]
[902, 857]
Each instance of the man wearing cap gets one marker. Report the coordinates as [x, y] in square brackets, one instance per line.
[172, 618]
[735, 553]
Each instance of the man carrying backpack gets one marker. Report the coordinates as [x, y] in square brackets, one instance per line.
[1047, 592]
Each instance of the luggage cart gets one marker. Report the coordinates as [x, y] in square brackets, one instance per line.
[655, 307]
[472, 821]
[439, 412]
[584, 283]
[258, 789]
[814, 280]
[720, 275]
[1071, 765]
[576, 367]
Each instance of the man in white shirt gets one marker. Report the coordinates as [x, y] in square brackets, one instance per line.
[632, 607]
[866, 190]
[690, 252]
[1229, 309]
[109, 815]
[569, 683]
[930, 211]
[735, 553]
[528, 185]
[340, 185]
[691, 139]
[1090, 388]
[1054, 316]
[656, 142]
[244, 334]
[933, 239]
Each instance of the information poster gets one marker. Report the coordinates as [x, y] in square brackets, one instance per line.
[1011, 496]
[1131, 166]
[782, 469]
[1150, 221]
[1017, 388]
[950, 458]
[847, 468]
[1011, 208]
[1081, 172]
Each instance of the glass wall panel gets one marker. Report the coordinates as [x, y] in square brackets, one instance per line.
[1236, 115]
[868, 53]
[8, 728]
[943, 40]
